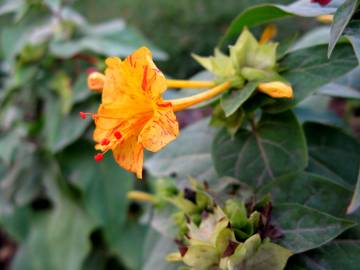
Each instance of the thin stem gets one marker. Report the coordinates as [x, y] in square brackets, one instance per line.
[183, 103]
[189, 84]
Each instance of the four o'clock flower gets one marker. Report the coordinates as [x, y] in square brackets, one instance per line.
[133, 116]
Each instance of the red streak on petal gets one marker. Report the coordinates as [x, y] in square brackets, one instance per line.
[98, 157]
[165, 105]
[144, 84]
[131, 60]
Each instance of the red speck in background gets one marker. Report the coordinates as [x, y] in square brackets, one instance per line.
[90, 70]
[321, 2]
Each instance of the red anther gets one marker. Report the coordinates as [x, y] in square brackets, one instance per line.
[82, 115]
[98, 157]
[90, 70]
[117, 135]
[105, 141]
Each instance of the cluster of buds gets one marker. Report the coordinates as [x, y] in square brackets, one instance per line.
[250, 60]
[227, 234]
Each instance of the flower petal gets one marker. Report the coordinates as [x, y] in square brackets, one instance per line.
[160, 130]
[130, 155]
[135, 81]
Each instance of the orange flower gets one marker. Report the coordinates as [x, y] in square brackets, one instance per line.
[133, 115]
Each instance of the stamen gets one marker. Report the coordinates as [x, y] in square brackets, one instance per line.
[98, 157]
[117, 135]
[183, 103]
[82, 115]
[105, 141]
[189, 84]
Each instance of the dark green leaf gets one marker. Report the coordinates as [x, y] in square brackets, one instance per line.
[332, 153]
[111, 38]
[338, 254]
[104, 188]
[352, 33]
[309, 69]
[127, 243]
[189, 155]
[309, 190]
[316, 108]
[341, 19]
[305, 228]
[61, 130]
[276, 146]
[261, 14]
[232, 101]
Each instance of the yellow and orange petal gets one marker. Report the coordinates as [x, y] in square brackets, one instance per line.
[160, 130]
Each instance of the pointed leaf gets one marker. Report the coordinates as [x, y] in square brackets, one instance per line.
[309, 69]
[309, 190]
[305, 228]
[275, 147]
[332, 153]
[341, 18]
[230, 102]
[189, 155]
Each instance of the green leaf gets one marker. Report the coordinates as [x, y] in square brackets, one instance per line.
[189, 155]
[108, 39]
[80, 89]
[355, 201]
[315, 109]
[104, 187]
[309, 190]
[276, 146]
[230, 102]
[61, 130]
[309, 69]
[338, 254]
[156, 248]
[127, 243]
[341, 18]
[15, 220]
[305, 228]
[317, 36]
[332, 153]
[352, 33]
[266, 13]
[9, 142]
[59, 239]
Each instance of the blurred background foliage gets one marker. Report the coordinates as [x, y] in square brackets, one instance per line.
[59, 210]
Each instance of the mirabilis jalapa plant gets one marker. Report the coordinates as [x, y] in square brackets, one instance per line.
[133, 115]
